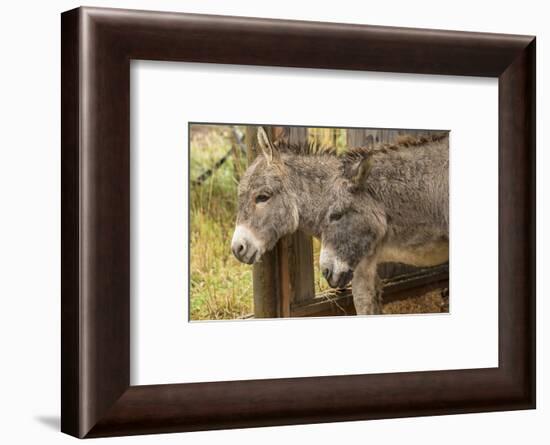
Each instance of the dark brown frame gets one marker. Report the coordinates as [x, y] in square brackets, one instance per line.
[97, 46]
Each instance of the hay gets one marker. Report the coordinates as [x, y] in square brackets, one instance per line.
[432, 302]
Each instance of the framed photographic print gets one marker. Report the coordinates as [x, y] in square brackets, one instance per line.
[269, 222]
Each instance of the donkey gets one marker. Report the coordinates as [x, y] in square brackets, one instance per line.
[389, 205]
[289, 188]
[283, 190]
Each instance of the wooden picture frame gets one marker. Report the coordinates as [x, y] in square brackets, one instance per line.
[97, 46]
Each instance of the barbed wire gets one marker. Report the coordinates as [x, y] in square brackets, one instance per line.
[239, 140]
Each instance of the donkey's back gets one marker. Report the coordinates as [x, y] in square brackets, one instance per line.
[412, 185]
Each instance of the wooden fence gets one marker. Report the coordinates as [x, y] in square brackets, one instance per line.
[283, 283]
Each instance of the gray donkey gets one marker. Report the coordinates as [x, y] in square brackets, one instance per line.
[283, 190]
[389, 205]
[300, 187]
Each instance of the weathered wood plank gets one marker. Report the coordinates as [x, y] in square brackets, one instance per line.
[284, 277]
[285, 274]
[300, 263]
[299, 246]
[265, 275]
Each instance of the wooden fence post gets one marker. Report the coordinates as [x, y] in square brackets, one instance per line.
[297, 275]
[285, 274]
[265, 275]
[359, 137]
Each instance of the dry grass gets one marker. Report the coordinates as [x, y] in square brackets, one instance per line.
[221, 287]
[429, 303]
[319, 282]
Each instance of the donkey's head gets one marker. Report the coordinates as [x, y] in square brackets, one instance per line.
[267, 206]
[353, 227]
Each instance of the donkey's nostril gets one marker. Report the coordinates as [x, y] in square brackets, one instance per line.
[239, 249]
[326, 273]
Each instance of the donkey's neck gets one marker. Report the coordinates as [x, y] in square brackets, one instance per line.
[310, 179]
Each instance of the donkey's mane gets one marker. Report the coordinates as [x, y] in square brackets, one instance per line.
[350, 157]
[305, 148]
[354, 154]
[402, 142]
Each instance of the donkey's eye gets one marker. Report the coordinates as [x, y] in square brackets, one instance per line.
[262, 198]
[335, 216]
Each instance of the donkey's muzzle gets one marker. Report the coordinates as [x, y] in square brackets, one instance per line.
[239, 249]
[245, 245]
[244, 252]
[338, 281]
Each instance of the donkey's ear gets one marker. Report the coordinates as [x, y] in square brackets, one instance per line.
[266, 146]
[360, 172]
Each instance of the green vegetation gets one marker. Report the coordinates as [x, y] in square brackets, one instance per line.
[221, 287]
